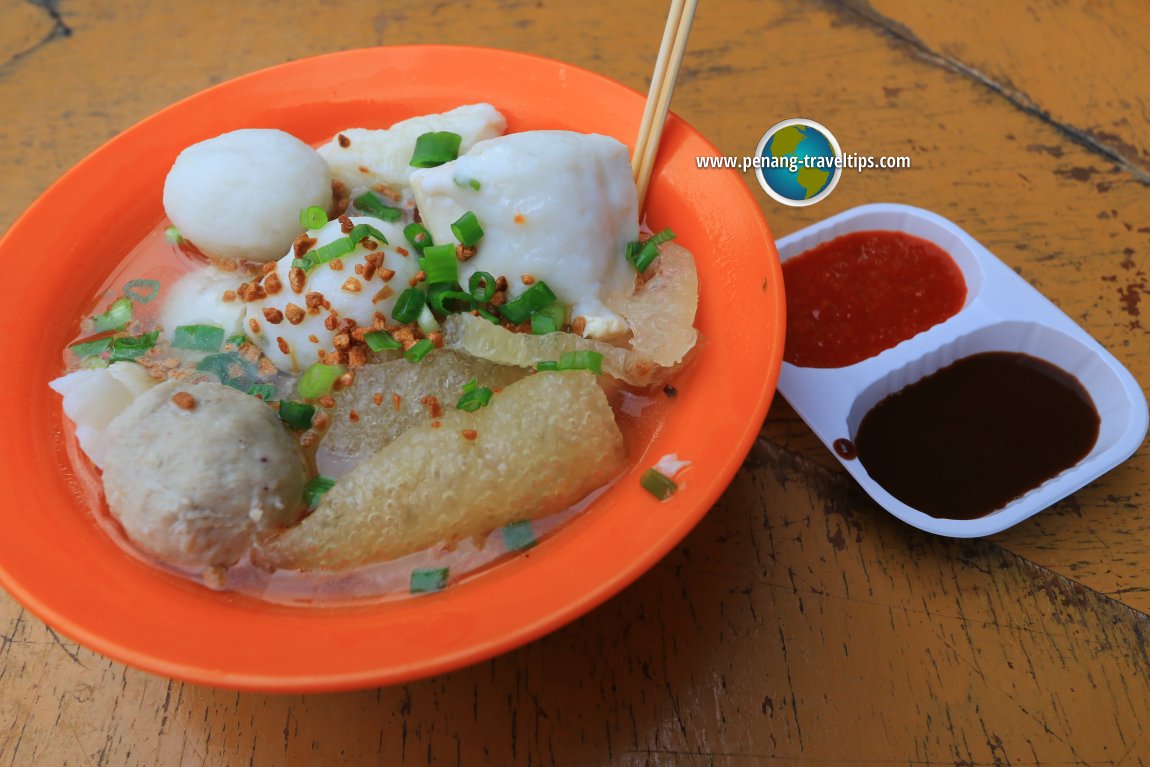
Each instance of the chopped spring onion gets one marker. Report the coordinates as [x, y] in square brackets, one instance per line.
[474, 397]
[417, 234]
[438, 261]
[119, 314]
[318, 379]
[231, 368]
[436, 148]
[312, 217]
[420, 350]
[583, 359]
[372, 205]
[482, 287]
[359, 231]
[335, 249]
[536, 297]
[408, 306]
[425, 579]
[467, 229]
[238, 340]
[546, 365]
[303, 263]
[427, 322]
[315, 488]
[658, 484]
[131, 347]
[641, 254]
[380, 340]
[297, 415]
[556, 311]
[464, 183]
[444, 300]
[262, 391]
[488, 316]
[542, 324]
[173, 236]
[142, 290]
[518, 536]
[200, 338]
[91, 348]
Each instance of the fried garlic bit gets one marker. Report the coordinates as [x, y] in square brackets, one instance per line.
[541, 445]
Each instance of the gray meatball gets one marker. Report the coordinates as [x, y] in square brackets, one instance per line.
[195, 471]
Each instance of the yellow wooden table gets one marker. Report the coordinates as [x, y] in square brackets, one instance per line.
[799, 623]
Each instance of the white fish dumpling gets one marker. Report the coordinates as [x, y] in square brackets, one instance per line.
[197, 298]
[556, 205]
[363, 158]
[92, 398]
[290, 322]
[239, 195]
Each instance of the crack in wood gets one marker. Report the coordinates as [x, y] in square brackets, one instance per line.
[60, 29]
[862, 9]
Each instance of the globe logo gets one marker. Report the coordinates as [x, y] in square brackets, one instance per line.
[798, 162]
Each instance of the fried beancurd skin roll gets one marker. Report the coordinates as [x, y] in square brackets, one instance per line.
[542, 444]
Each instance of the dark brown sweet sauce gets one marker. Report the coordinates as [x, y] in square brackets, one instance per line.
[845, 449]
[968, 439]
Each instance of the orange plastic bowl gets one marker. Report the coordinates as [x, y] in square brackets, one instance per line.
[59, 563]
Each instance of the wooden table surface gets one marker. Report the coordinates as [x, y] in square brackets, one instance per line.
[799, 623]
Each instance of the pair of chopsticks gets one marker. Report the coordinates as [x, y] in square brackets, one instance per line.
[675, 35]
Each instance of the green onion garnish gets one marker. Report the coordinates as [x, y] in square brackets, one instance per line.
[444, 300]
[231, 368]
[359, 231]
[380, 340]
[150, 289]
[474, 397]
[436, 148]
[315, 488]
[131, 347]
[312, 217]
[238, 340]
[408, 306]
[438, 261]
[641, 254]
[370, 204]
[427, 322]
[427, 579]
[584, 359]
[91, 348]
[658, 484]
[488, 316]
[467, 229]
[335, 249]
[262, 391]
[420, 350]
[546, 365]
[536, 297]
[318, 379]
[200, 338]
[542, 324]
[173, 236]
[303, 263]
[556, 311]
[297, 415]
[518, 536]
[482, 287]
[464, 183]
[417, 234]
[119, 314]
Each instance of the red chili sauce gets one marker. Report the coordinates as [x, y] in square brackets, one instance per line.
[853, 297]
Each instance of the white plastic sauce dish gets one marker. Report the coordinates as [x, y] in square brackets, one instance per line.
[1001, 313]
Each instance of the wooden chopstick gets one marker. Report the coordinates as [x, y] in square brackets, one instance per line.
[679, 18]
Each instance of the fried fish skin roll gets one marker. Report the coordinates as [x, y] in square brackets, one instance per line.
[542, 444]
